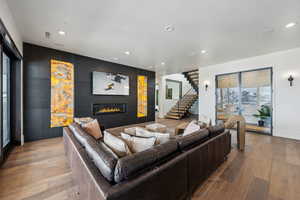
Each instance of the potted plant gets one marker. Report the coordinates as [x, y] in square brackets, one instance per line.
[264, 113]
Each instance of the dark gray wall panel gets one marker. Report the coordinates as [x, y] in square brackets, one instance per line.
[37, 91]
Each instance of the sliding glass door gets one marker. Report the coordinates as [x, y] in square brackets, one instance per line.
[1, 138]
[6, 100]
[248, 94]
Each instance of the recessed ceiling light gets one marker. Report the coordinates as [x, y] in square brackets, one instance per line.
[127, 52]
[169, 28]
[61, 33]
[290, 25]
[203, 51]
[163, 63]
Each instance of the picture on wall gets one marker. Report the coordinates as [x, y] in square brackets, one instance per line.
[106, 83]
[62, 93]
[142, 96]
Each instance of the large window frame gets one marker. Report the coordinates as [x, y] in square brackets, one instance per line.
[239, 73]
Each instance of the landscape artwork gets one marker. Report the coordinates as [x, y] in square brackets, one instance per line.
[142, 96]
[62, 93]
[106, 83]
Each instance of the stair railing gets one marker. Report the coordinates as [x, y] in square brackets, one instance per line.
[181, 99]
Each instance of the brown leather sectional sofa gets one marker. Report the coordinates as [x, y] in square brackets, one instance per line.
[169, 171]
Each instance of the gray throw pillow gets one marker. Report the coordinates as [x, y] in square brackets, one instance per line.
[138, 144]
[118, 145]
[160, 137]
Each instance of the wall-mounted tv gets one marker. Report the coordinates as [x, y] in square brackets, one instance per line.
[106, 83]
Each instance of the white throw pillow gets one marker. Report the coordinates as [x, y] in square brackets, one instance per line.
[83, 120]
[191, 128]
[160, 137]
[130, 131]
[205, 119]
[138, 144]
[116, 144]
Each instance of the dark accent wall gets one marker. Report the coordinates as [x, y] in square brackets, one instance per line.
[37, 91]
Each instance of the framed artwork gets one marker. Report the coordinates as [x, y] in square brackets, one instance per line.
[62, 93]
[142, 96]
[106, 83]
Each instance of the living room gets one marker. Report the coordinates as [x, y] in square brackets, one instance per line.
[149, 100]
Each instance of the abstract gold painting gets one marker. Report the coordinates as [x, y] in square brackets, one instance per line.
[62, 93]
[142, 96]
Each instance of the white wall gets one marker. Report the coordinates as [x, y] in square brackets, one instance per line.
[7, 18]
[286, 99]
[166, 104]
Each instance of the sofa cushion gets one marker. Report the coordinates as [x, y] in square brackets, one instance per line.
[93, 129]
[160, 137]
[118, 145]
[194, 138]
[138, 144]
[216, 130]
[156, 127]
[80, 134]
[103, 157]
[135, 164]
[191, 128]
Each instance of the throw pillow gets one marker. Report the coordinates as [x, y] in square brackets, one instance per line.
[93, 129]
[138, 144]
[82, 120]
[202, 124]
[130, 131]
[118, 145]
[191, 128]
[160, 137]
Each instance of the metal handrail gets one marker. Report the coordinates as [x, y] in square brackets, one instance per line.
[181, 98]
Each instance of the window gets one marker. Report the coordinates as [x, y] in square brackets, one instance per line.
[246, 93]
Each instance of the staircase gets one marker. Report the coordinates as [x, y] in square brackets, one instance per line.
[181, 108]
[193, 78]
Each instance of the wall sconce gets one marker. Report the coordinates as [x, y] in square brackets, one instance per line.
[291, 79]
[206, 84]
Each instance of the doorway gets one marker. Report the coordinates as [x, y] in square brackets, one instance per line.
[247, 93]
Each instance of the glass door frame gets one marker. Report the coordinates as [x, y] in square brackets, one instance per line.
[2, 151]
[239, 73]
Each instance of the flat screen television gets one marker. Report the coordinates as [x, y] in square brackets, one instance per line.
[107, 83]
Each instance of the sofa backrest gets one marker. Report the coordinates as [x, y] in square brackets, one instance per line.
[100, 154]
[216, 130]
[193, 139]
[79, 133]
[103, 157]
[138, 163]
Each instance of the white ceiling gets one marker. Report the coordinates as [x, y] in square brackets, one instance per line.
[105, 29]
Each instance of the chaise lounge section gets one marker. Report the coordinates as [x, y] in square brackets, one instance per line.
[169, 171]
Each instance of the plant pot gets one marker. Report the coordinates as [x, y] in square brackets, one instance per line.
[261, 123]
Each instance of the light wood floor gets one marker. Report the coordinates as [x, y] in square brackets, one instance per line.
[269, 169]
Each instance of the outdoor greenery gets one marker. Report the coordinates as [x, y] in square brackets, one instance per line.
[263, 113]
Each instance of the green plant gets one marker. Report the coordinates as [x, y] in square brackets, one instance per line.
[263, 113]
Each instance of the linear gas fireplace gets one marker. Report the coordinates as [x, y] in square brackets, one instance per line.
[108, 108]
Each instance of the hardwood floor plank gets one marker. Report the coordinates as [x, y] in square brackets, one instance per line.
[258, 190]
